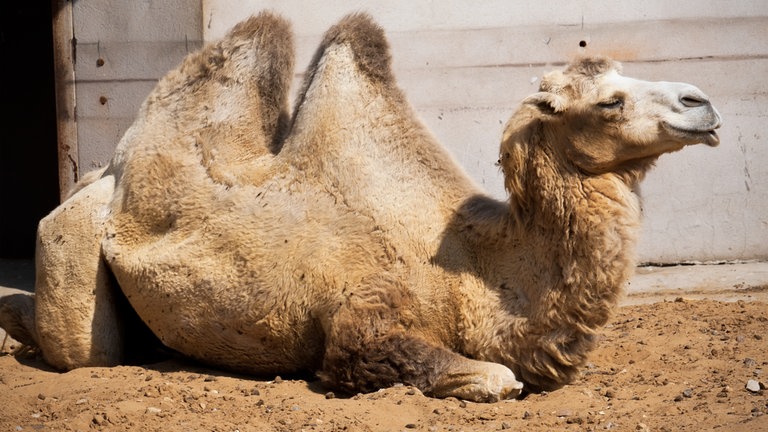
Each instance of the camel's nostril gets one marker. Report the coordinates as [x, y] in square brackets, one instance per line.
[693, 101]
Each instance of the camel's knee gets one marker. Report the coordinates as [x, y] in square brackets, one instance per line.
[75, 315]
[357, 359]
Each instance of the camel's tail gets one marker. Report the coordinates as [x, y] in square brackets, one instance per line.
[17, 318]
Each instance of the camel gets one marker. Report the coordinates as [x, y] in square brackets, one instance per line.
[340, 239]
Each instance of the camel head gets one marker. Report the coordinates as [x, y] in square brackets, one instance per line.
[604, 122]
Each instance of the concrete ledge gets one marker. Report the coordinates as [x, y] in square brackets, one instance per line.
[724, 282]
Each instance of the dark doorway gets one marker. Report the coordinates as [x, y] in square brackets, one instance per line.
[28, 155]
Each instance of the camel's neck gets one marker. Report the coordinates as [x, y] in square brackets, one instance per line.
[567, 257]
[555, 271]
[587, 230]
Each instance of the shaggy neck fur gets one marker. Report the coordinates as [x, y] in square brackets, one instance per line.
[584, 227]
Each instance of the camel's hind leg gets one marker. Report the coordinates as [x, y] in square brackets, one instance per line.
[369, 346]
[75, 310]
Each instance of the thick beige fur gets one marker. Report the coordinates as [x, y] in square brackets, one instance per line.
[343, 239]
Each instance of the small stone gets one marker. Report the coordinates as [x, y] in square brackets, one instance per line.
[148, 378]
[462, 404]
[678, 398]
[153, 410]
[748, 362]
[505, 425]
[642, 427]
[753, 386]
[411, 426]
[41, 396]
[437, 411]
[81, 401]
[295, 408]
[255, 392]
[210, 378]
[278, 380]
[527, 415]
[688, 393]
[564, 413]
[98, 419]
[330, 395]
[411, 392]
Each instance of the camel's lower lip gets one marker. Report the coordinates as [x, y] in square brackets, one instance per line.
[704, 136]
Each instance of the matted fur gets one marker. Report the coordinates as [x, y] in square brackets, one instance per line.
[345, 240]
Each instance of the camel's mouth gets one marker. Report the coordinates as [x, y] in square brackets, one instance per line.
[706, 136]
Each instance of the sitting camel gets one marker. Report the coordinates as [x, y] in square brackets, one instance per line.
[342, 239]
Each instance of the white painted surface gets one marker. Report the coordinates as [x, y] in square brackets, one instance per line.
[138, 41]
[466, 65]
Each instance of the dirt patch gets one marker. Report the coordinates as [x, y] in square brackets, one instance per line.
[671, 366]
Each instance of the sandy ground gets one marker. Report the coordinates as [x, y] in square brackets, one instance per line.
[675, 365]
[672, 359]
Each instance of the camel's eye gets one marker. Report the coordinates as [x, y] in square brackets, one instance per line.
[611, 103]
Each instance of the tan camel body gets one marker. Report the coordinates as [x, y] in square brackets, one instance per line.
[343, 239]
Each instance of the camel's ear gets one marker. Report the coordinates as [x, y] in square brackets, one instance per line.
[546, 102]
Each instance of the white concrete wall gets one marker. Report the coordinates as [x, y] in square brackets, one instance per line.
[138, 42]
[466, 65]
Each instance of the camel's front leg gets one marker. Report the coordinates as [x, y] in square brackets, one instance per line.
[369, 346]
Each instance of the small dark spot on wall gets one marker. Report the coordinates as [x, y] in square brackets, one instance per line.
[103, 100]
[99, 62]
[583, 44]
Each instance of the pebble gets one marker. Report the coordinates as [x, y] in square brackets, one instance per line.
[98, 420]
[753, 386]
[410, 426]
[688, 393]
[210, 378]
[505, 425]
[255, 392]
[153, 410]
[330, 395]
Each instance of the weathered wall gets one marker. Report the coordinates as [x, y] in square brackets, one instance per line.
[466, 65]
[122, 49]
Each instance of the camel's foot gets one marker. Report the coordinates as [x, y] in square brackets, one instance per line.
[478, 382]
